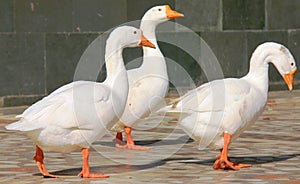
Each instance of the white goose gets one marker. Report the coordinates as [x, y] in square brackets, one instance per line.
[219, 111]
[76, 114]
[149, 82]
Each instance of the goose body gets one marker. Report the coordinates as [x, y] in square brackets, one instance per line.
[216, 113]
[229, 104]
[77, 114]
[65, 121]
[148, 84]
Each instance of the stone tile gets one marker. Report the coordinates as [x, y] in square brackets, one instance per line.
[282, 14]
[293, 45]
[246, 14]
[270, 146]
[11, 101]
[136, 9]
[98, 15]
[256, 38]
[181, 51]
[43, 15]
[22, 64]
[230, 50]
[63, 52]
[6, 16]
[133, 57]
[177, 48]
[200, 15]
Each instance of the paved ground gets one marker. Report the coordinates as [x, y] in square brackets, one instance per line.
[272, 146]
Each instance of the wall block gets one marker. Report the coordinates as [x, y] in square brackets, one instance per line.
[42, 41]
[246, 14]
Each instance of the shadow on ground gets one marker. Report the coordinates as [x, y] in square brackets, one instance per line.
[247, 160]
[157, 142]
[115, 169]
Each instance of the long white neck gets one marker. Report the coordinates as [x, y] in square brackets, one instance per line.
[153, 60]
[259, 68]
[114, 61]
[116, 78]
[148, 27]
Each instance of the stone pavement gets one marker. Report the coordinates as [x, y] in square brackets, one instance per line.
[272, 146]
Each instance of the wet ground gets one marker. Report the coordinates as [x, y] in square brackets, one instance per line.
[272, 146]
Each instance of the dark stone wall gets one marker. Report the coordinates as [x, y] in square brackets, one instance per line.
[41, 41]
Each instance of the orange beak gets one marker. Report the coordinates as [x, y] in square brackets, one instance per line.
[171, 14]
[289, 78]
[145, 42]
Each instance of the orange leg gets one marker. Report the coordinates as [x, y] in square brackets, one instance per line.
[223, 162]
[130, 143]
[119, 140]
[85, 173]
[39, 158]
[119, 136]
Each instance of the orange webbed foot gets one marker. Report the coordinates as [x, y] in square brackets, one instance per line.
[223, 162]
[91, 175]
[119, 143]
[85, 172]
[130, 143]
[226, 164]
[133, 147]
[39, 158]
[44, 171]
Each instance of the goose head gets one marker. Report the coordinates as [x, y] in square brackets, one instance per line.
[127, 36]
[285, 64]
[161, 14]
[282, 59]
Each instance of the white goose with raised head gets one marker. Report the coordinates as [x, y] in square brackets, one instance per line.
[75, 115]
[149, 83]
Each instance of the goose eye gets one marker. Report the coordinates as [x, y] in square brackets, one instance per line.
[292, 64]
[134, 32]
[159, 9]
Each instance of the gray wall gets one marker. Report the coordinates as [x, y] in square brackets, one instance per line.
[41, 41]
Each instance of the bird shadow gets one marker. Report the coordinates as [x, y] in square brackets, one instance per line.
[187, 160]
[162, 142]
[115, 169]
[247, 160]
